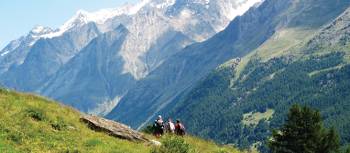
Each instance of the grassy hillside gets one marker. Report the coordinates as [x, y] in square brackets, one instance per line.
[30, 123]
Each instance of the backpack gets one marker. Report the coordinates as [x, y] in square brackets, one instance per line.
[158, 124]
[182, 127]
[155, 125]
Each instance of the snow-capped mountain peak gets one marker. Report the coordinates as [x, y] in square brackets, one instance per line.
[156, 31]
[240, 7]
[161, 4]
[136, 8]
[201, 1]
[79, 19]
[83, 17]
[35, 34]
[11, 46]
[40, 30]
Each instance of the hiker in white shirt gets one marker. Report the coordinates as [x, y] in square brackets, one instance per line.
[170, 126]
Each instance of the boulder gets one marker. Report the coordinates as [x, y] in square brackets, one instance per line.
[113, 128]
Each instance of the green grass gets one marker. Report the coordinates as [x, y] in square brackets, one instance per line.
[253, 118]
[206, 146]
[30, 123]
[338, 67]
[286, 41]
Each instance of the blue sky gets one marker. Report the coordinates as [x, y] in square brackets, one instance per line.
[18, 17]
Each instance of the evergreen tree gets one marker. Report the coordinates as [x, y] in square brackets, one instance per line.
[330, 142]
[348, 150]
[303, 132]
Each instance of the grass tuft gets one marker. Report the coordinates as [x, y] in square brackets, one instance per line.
[35, 114]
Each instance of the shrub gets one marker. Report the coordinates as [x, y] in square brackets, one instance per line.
[173, 144]
[348, 149]
[72, 151]
[59, 124]
[35, 114]
[221, 151]
[149, 129]
[16, 137]
[93, 143]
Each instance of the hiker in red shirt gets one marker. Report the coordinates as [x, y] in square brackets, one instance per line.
[179, 128]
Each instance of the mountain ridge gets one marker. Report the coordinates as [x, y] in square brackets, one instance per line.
[157, 30]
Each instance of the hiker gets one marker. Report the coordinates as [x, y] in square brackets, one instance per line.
[180, 128]
[170, 127]
[158, 126]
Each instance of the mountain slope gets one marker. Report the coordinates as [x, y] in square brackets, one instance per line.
[46, 56]
[158, 92]
[155, 34]
[95, 70]
[30, 123]
[16, 51]
[242, 101]
[158, 29]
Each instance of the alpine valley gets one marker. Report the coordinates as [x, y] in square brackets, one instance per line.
[230, 69]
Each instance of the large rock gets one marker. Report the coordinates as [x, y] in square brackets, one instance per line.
[113, 128]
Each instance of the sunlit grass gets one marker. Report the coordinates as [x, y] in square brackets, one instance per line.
[20, 131]
[204, 146]
[30, 123]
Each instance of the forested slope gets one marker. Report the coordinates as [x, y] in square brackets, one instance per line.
[240, 102]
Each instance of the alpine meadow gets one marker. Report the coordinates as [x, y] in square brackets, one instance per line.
[181, 76]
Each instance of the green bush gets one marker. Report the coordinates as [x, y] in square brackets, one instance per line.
[149, 129]
[93, 143]
[348, 149]
[35, 114]
[16, 137]
[59, 124]
[72, 151]
[173, 144]
[222, 151]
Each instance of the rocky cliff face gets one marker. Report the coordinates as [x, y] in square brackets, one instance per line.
[335, 34]
[46, 56]
[97, 69]
[16, 51]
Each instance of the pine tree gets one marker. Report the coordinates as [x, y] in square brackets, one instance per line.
[330, 142]
[348, 149]
[303, 132]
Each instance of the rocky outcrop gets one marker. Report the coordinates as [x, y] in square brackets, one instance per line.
[113, 128]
